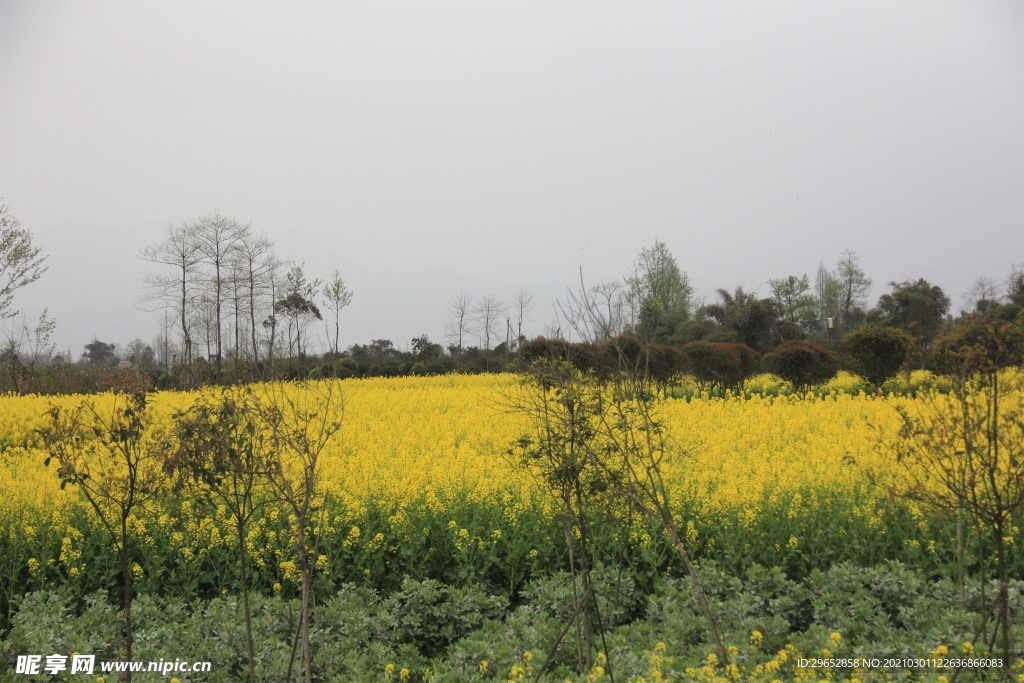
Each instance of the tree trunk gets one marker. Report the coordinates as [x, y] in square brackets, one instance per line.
[701, 598]
[307, 654]
[126, 576]
[243, 557]
[1004, 601]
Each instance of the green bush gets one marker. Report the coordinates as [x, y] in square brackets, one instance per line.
[875, 352]
[802, 363]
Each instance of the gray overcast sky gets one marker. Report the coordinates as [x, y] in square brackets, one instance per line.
[434, 147]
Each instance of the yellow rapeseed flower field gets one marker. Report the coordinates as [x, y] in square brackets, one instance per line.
[432, 438]
[431, 441]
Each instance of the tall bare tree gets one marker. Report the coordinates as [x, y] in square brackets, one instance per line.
[165, 348]
[275, 285]
[236, 301]
[175, 287]
[522, 303]
[255, 252]
[488, 312]
[217, 238]
[460, 318]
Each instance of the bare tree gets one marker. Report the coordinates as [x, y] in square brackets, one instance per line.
[175, 290]
[522, 303]
[983, 289]
[460, 318]
[594, 313]
[338, 296]
[256, 257]
[204, 325]
[166, 349]
[488, 312]
[275, 284]
[217, 238]
[236, 300]
[21, 262]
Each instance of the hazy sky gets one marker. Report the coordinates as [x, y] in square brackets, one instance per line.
[429, 148]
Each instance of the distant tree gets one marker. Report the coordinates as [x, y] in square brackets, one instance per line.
[522, 303]
[1015, 285]
[256, 259]
[979, 344]
[875, 352]
[275, 286]
[796, 303]
[298, 307]
[217, 239]
[660, 292]
[28, 347]
[100, 353]
[919, 308]
[802, 363]
[424, 349]
[460, 318]
[826, 291]
[665, 363]
[854, 287]
[982, 296]
[600, 312]
[166, 349]
[139, 354]
[1009, 306]
[175, 290]
[488, 312]
[21, 262]
[749, 320]
[380, 358]
[338, 296]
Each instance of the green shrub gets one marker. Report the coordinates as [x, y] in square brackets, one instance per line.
[802, 363]
[875, 352]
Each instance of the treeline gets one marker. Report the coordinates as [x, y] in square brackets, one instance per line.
[232, 310]
[801, 333]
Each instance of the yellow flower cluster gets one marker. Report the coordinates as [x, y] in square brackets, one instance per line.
[439, 439]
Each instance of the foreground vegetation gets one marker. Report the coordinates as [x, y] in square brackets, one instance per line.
[430, 552]
[425, 630]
